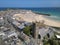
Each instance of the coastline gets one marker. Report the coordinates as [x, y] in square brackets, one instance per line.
[52, 23]
[35, 17]
[53, 18]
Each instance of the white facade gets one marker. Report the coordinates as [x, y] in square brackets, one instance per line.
[58, 36]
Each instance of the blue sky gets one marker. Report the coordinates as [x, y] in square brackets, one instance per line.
[29, 3]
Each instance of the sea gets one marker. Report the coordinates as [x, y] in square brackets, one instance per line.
[53, 11]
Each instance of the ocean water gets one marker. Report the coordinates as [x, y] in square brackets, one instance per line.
[54, 12]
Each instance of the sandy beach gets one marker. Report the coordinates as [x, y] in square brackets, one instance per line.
[35, 17]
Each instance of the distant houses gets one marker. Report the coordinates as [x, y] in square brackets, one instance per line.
[8, 36]
[1, 21]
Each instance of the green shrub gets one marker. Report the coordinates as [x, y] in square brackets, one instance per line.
[26, 30]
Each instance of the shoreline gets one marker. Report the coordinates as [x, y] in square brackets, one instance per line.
[53, 18]
[35, 17]
[52, 23]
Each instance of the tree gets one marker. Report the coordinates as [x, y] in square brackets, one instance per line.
[26, 30]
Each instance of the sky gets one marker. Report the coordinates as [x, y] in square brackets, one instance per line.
[29, 3]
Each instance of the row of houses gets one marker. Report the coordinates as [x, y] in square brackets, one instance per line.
[19, 26]
[9, 37]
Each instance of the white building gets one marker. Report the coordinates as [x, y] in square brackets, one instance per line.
[58, 36]
[44, 31]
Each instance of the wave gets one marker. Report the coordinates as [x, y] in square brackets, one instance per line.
[53, 16]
